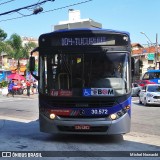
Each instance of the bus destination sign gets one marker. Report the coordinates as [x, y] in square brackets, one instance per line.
[84, 41]
[90, 40]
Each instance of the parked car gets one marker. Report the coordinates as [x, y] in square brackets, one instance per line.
[135, 89]
[150, 94]
[144, 82]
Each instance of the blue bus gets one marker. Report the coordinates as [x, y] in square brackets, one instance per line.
[152, 75]
[4, 74]
[84, 79]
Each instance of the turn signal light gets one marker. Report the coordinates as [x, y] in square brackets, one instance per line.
[127, 107]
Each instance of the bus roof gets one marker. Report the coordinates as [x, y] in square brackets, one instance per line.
[90, 29]
[152, 71]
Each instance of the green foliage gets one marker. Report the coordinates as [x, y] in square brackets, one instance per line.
[3, 84]
[3, 35]
[17, 50]
[14, 46]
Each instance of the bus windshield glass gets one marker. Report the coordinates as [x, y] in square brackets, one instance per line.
[84, 74]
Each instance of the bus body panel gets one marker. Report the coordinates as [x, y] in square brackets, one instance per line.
[103, 123]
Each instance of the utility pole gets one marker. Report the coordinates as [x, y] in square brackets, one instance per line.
[156, 52]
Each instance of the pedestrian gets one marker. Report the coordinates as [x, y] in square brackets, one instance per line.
[28, 84]
[34, 87]
[10, 88]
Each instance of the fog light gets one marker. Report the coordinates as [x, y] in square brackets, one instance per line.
[113, 116]
[52, 116]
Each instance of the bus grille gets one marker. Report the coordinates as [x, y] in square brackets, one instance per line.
[82, 104]
[92, 129]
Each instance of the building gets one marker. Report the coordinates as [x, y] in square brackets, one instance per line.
[4, 61]
[145, 58]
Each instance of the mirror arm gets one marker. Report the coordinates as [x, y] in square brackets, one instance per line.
[36, 77]
[35, 50]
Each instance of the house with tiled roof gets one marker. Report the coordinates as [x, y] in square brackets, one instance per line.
[145, 58]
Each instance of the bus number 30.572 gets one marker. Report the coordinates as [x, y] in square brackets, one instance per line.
[99, 111]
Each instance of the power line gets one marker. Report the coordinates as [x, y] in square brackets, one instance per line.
[68, 6]
[47, 11]
[6, 2]
[16, 10]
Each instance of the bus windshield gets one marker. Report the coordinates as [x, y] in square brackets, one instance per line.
[71, 74]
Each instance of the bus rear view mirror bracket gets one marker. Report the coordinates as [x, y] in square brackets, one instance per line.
[32, 64]
[132, 66]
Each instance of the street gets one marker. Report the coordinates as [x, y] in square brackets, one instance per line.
[20, 131]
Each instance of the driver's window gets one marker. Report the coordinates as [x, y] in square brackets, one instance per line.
[146, 76]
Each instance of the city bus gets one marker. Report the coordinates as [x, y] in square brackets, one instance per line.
[84, 79]
[152, 75]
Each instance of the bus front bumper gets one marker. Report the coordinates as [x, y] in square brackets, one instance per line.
[86, 126]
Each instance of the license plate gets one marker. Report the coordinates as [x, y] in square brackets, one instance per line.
[82, 127]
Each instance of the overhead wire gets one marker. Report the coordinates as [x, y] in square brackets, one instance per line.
[6, 2]
[68, 6]
[47, 11]
[18, 9]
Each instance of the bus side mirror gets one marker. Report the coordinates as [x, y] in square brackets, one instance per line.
[32, 64]
[132, 66]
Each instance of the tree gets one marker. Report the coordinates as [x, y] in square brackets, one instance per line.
[3, 35]
[19, 51]
[27, 48]
[3, 46]
[15, 43]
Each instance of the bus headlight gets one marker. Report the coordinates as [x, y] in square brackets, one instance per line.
[52, 116]
[119, 113]
[113, 116]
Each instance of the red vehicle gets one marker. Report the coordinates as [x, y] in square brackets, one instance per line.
[18, 90]
[143, 83]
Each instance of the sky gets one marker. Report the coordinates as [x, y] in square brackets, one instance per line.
[133, 16]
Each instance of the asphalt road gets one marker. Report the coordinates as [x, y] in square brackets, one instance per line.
[19, 131]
